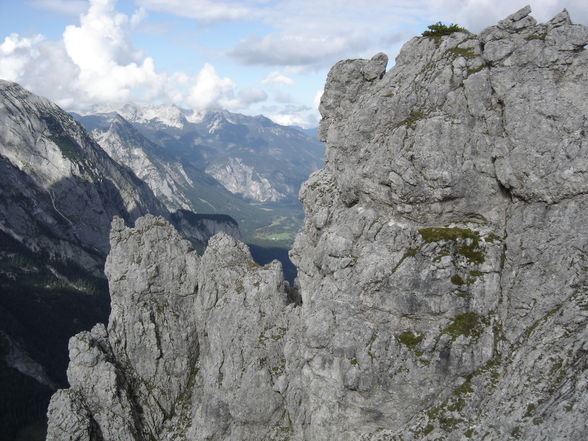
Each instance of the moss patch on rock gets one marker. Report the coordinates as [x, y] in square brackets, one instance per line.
[410, 339]
[457, 52]
[467, 242]
[468, 325]
[69, 149]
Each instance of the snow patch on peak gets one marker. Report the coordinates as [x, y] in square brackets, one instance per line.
[215, 125]
[166, 114]
[169, 115]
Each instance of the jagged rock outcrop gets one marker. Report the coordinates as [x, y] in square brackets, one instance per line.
[442, 290]
[190, 341]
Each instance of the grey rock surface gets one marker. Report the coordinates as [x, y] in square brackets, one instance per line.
[190, 341]
[442, 290]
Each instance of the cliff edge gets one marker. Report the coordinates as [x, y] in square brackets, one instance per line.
[442, 290]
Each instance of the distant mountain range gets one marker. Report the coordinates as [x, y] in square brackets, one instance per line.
[217, 162]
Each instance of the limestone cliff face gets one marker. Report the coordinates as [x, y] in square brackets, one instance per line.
[442, 288]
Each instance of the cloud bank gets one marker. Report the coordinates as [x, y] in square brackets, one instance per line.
[96, 63]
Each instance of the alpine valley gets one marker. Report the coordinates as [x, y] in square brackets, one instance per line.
[214, 162]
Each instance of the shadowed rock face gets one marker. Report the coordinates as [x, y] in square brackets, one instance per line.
[442, 270]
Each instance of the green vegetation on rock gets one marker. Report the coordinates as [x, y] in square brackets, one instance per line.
[439, 29]
[461, 52]
[535, 37]
[410, 339]
[411, 120]
[476, 69]
[69, 149]
[468, 325]
[411, 252]
[456, 280]
[467, 241]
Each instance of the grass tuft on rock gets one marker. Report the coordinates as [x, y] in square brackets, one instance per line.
[467, 241]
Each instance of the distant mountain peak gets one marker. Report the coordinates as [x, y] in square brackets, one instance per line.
[166, 114]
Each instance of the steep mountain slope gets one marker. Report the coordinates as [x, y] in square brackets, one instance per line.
[218, 162]
[128, 147]
[256, 157]
[83, 185]
[442, 270]
[58, 193]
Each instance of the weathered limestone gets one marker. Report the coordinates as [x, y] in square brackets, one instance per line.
[442, 268]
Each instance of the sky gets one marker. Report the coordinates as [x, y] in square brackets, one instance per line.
[267, 57]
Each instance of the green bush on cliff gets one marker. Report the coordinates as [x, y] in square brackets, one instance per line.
[439, 29]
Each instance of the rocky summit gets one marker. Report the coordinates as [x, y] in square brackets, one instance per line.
[442, 289]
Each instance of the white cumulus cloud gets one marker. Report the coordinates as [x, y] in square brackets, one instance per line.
[277, 78]
[210, 89]
[96, 63]
[15, 53]
[101, 48]
[212, 92]
[293, 115]
[41, 66]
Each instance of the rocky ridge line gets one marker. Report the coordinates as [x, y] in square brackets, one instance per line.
[442, 270]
